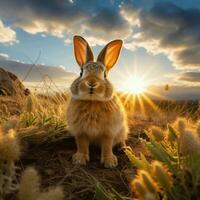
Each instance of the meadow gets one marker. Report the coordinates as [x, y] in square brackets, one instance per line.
[36, 150]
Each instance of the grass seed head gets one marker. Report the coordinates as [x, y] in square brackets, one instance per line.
[29, 104]
[9, 146]
[189, 143]
[157, 133]
[181, 124]
[138, 187]
[30, 185]
[10, 124]
[148, 182]
[162, 175]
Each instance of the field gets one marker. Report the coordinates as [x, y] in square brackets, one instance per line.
[39, 126]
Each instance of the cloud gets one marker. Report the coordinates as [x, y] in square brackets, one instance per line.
[165, 28]
[190, 78]
[7, 35]
[108, 23]
[38, 73]
[54, 17]
[65, 18]
[169, 29]
[130, 12]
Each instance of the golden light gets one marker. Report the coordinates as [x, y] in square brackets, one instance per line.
[135, 85]
[137, 88]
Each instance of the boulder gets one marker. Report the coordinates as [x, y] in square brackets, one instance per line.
[10, 85]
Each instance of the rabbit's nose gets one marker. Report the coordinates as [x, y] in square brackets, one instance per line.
[92, 84]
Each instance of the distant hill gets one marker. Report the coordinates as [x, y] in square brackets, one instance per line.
[175, 92]
[37, 73]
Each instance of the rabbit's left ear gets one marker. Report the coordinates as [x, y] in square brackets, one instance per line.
[110, 53]
[82, 51]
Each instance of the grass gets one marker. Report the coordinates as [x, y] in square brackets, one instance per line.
[172, 172]
[46, 145]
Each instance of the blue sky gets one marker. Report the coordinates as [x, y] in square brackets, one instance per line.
[161, 38]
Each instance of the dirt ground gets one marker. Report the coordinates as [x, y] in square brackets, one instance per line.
[54, 164]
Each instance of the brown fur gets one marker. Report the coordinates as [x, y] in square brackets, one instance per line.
[102, 93]
[98, 122]
[95, 113]
[95, 118]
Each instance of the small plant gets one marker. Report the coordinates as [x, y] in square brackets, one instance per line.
[30, 188]
[174, 171]
[9, 153]
[43, 120]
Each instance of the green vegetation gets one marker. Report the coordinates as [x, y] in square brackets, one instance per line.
[172, 169]
[35, 124]
[29, 186]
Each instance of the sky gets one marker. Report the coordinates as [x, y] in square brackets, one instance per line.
[161, 40]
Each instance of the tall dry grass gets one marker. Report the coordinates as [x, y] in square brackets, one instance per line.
[40, 118]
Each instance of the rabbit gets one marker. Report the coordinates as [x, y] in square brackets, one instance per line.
[95, 113]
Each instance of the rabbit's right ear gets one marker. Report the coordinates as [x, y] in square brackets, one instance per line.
[82, 51]
[110, 53]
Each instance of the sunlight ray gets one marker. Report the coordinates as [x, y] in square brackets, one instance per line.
[155, 94]
[151, 103]
[141, 103]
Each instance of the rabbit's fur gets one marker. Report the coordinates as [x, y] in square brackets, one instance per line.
[95, 113]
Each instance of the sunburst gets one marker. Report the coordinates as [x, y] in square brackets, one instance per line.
[136, 89]
[135, 85]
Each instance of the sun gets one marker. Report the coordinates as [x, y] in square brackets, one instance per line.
[135, 85]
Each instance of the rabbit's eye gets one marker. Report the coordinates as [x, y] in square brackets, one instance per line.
[104, 74]
[81, 73]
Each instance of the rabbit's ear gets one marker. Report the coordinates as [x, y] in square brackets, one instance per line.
[82, 51]
[110, 53]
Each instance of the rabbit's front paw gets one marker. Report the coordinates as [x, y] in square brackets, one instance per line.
[80, 158]
[109, 161]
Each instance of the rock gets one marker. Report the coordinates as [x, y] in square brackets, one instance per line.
[10, 85]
